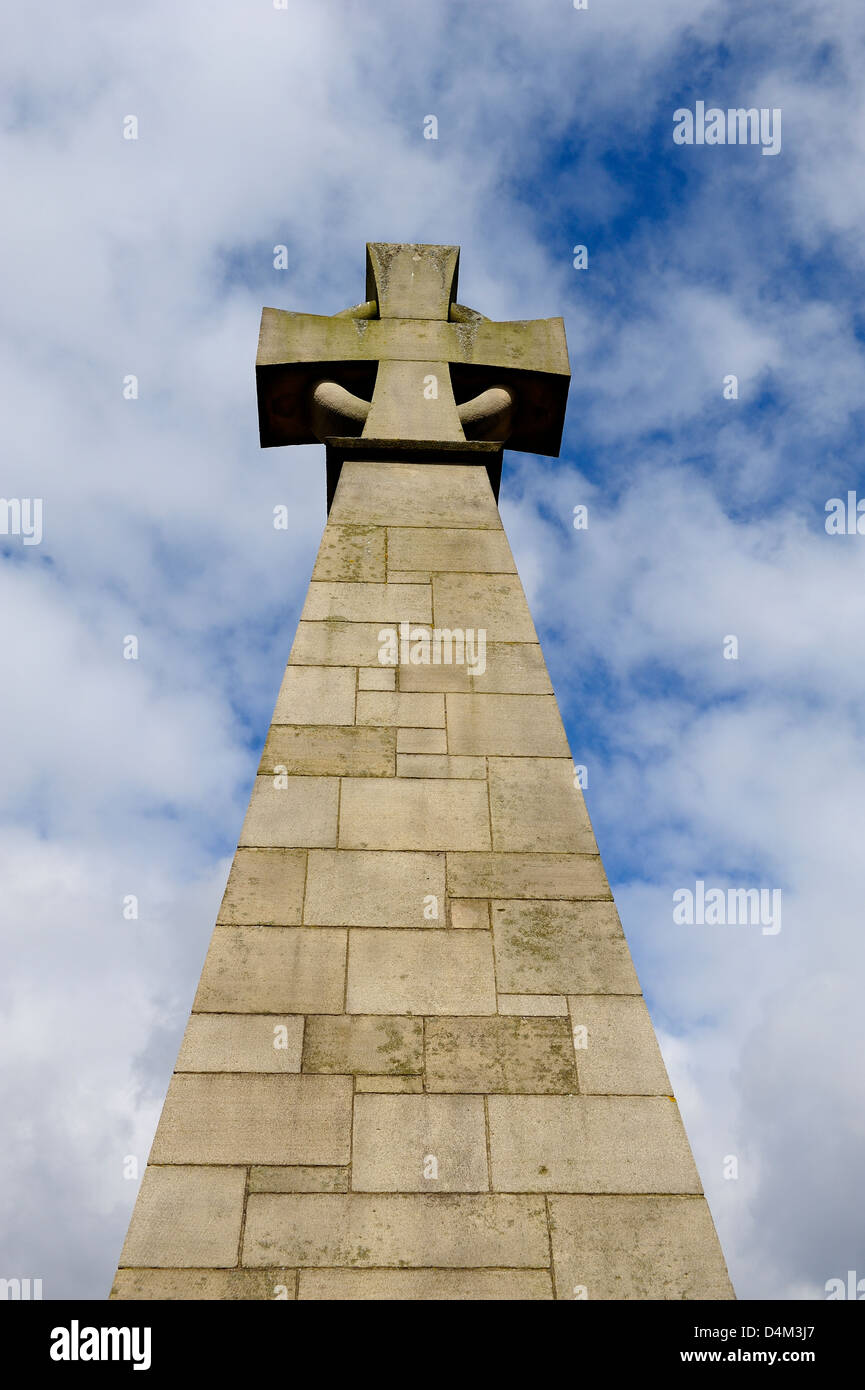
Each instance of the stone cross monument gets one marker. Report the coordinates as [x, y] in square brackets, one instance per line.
[418, 1065]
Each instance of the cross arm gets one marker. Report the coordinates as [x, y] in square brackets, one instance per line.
[296, 350]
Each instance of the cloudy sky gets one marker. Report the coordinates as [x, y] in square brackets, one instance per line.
[303, 126]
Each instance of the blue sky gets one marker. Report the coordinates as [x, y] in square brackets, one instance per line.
[304, 127]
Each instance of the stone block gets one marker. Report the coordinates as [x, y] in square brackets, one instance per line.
[413, 494]
[299, 1178]
[512, 668]
[439, 1230]
[621, 1056]
[546, 947]
[535, 806]
[408, 1085]
[421, 741]
[369, 679]
[397, 1139]
[265, 886]
[534, 1005]
[329, 750]
[436, 678]
[494, 602]
[413, 813]
[284, 970]
[505, 724]
[337, 644]
[589, 1144]
[301, 814]
[255, 1119]
[624, 1248]
[316, 695]
[175, 1285]
[373, 888]
[354, 554]
[491, 1055]
[421, 972]
[426, 1285]
[393, 708]
[441, 548]
[440, 765]
[368, 603]
[470, 914]
[241, 1042]
[527, 876]
[373, 1046]
[185, 1218]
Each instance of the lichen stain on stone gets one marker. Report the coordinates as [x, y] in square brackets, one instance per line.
[443, 261]
[466, 337]
[382, 257]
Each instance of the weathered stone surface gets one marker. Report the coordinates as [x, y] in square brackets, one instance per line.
[241, 1042]
[337, 644]
[407, 576]
[493, 602]
[316, 695]
[408, 1085]
[369, 679]
[622, 1056]
[265, 886]
[303, 813]
[298, 1178]
[492, 1055]
[421, 972]
[373, 888]
[292, 970]
[505, 724]
[589, 1144]
[329, 750]
[470, 914]
[439, 548]
[413, 813]
[372, 1046]
[411, 494]
[425, 1285]
[535, 806]
[351, 553]
[637, 1248]
[397, 1138]
[255, 1119]
[527, 876]
[440, 1230]
[392, 707]
[185, 1218]
[368, 603]
[408, 340]
[400, 408]
[534, 1005]
[512, 668]
[421, 741]
[172, 1285]
[436, 677]
[547, 947]
[440, 765]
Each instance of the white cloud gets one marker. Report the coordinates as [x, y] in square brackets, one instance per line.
[304, 126]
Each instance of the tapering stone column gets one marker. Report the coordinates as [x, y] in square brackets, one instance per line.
[419, 1065]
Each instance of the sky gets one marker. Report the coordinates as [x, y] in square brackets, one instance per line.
[303, 127]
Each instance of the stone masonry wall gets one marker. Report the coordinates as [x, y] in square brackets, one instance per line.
[378, 1095]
